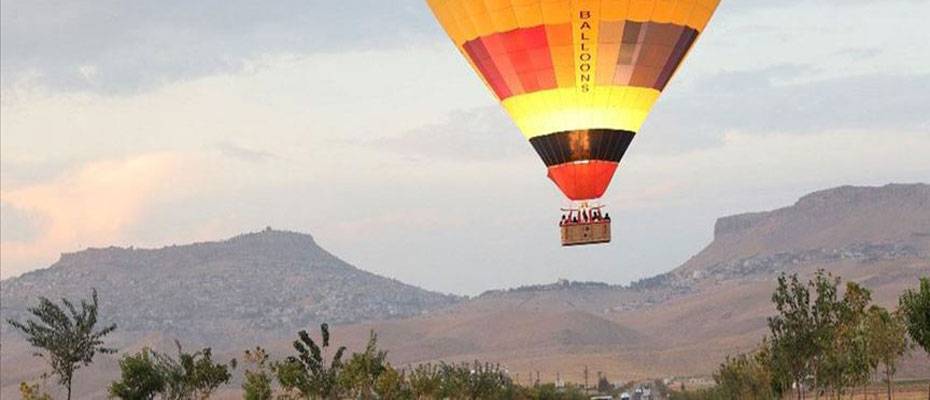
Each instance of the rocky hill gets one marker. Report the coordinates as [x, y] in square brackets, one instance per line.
[260, 288]
[857, 224]
[265, 284]
[686, 321]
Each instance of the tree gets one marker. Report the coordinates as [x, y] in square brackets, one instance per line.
[140, 378]
[257, 382]
[914, 306]
[425, 381]
[66, 335]
[793, 333]
[361, 373]
[308, 373]
[392, 385]
[192, 375]
[849, 361]
[745, 377]
[888, 341]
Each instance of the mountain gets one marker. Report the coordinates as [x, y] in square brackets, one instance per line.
[685, 322]
[261, 288]
[258, 285]
[844, 222]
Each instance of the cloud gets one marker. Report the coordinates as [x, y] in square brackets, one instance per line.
[771, 100]
[480, 134]
[92, 205]
[233, 150]
[19, 225]
[141, 45]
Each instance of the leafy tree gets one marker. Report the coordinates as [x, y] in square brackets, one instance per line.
[257, 383]
[192, 375]
[914, 306]
[140, 378]
[745, 377]
[848, 360]
[792, 330]
[362, 371]
[803, 331]
[66, 335]
[888, 341]
[307, 373]
[392, 385]
[425, 381]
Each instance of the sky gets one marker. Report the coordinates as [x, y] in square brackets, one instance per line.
[154, 123]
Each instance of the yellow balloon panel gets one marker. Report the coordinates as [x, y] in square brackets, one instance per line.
[560, 65]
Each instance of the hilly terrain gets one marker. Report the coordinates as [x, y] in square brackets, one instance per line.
[255, 284]
[263, 287]
[685, 322]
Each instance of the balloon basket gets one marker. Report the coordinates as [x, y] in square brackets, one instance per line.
[584, 225]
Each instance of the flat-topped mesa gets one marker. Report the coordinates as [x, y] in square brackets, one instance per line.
[735, 224]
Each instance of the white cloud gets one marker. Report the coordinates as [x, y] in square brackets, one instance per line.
[93, 205]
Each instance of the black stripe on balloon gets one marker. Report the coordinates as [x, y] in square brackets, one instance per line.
[585, 144]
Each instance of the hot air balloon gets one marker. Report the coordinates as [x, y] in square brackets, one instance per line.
[578, 78]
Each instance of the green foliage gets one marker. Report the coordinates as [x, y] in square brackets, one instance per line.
[307, 373]
[849, 360]
[888, 341]
[187, 377]
[192, 375]
[803, 331]
[745, 377]
[361, 373]
[914, 306]
[33, 392]
[140, 378]
[66, 335]
[550, 392]
[257, 382]
[392, 385]
[425, 381]
[475, 381]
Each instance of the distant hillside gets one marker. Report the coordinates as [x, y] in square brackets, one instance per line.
[686, 321]
[844, 223]
[264, 284]
[260, 288]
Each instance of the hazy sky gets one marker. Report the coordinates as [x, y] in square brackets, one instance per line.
[172, 121]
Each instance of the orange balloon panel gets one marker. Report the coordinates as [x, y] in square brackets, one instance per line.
[578, 77]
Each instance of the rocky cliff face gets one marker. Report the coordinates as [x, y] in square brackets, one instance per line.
[270, 283]
[844, 222]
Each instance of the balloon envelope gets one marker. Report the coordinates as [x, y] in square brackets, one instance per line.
[578, 77]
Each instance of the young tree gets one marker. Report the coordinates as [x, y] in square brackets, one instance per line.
[745, 377]
[914, 306]
[849, 361]
[425, 381]
[361, 373]
[392, 385]
[803, 331]
[308, 373]
[66, 335]
[140, 378]
[257, 383]
[192, 375]
[888, 341]
[794, 342]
